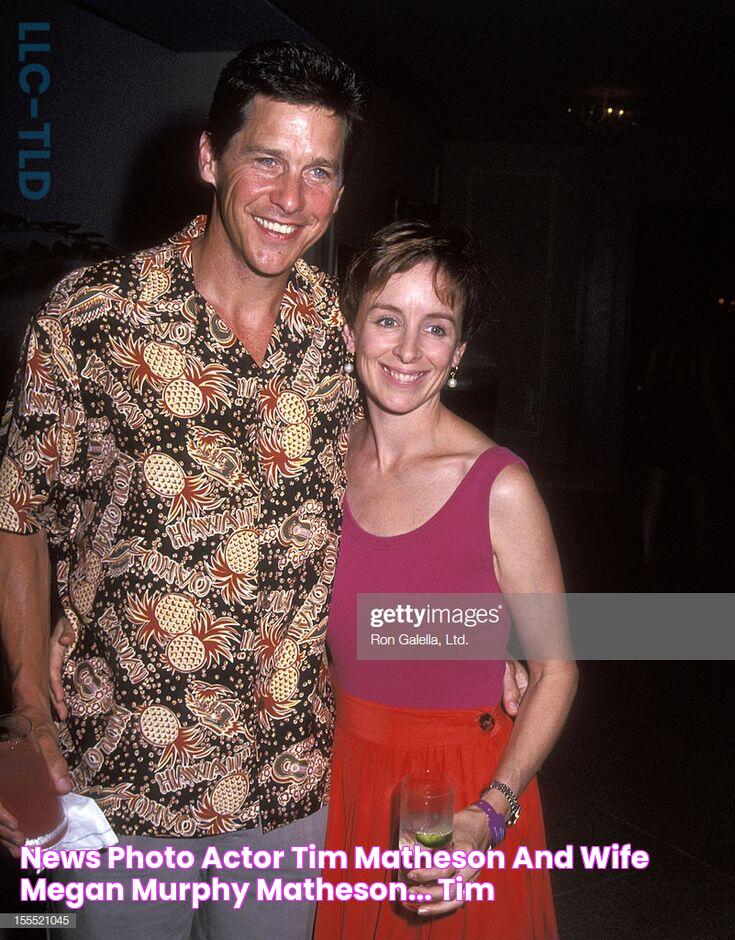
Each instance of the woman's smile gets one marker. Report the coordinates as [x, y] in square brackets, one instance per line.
[402, 377]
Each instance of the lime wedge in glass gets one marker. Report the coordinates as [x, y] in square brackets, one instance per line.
[433, 840]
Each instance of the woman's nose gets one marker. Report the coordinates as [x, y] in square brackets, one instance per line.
[407, 348]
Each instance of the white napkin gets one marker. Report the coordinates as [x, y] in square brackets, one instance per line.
[87, 825]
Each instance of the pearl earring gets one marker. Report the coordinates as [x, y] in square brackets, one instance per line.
[452, 380]
[349, 366]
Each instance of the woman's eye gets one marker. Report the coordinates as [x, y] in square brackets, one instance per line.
[387, 321]
[436, 330]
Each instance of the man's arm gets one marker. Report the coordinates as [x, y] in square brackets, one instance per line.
[25, 591]
[45, 401]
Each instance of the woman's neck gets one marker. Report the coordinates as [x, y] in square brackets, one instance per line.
[392, 439]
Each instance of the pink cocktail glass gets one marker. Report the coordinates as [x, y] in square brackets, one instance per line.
[26, 788]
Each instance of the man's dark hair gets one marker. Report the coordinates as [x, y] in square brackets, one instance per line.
[460, 278]
[285, 71]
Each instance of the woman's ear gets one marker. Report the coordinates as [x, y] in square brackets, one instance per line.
[348, 338]
[458, 353]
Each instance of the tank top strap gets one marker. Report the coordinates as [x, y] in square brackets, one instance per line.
[477, 498]
[489, 465]
[472, 494]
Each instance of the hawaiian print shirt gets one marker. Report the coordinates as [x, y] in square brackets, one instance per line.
[194, 502]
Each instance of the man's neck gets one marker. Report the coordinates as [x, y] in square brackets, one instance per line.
[244, 299]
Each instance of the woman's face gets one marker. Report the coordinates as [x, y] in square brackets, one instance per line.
[405, 340]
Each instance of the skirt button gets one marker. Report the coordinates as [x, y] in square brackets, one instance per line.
[486, 721]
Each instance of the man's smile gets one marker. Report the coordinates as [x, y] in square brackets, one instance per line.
[278, 228]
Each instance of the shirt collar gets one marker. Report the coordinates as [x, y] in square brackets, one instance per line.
[304, 284]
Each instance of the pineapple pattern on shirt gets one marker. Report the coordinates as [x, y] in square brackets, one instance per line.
[194, 501]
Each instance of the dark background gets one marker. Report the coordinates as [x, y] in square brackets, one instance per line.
[607, 361]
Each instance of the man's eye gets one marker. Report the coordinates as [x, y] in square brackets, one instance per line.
[265, 161]
[319, 173]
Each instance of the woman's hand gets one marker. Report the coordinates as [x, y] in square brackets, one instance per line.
[61, 640]
[471, 833]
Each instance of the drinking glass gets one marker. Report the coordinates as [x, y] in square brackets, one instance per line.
[26, 788]
[427, 810]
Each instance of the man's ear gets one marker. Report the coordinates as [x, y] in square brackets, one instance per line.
[337, 200]
[348, 338]
[207, 159]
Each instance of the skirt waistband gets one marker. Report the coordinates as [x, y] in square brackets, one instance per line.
[407, 727]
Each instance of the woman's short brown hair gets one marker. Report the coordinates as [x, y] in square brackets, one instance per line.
[460, 278]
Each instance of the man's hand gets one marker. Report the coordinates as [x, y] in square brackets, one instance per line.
[61, 639]
[515, 684]
[10, 835]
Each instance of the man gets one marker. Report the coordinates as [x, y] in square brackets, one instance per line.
[177, 432]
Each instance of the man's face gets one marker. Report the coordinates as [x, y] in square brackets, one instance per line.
[278, 182]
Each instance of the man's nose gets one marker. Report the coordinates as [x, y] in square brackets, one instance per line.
[288, 192]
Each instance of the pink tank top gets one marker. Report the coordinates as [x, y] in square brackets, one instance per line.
[450, 553]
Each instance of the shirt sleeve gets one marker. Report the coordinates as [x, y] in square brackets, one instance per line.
[40, 434]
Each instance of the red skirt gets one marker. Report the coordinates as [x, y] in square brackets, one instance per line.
[374, 747]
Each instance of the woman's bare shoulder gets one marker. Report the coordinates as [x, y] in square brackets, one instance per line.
[465, 440]
[515, 503]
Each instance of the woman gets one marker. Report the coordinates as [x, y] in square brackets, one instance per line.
[434, 506]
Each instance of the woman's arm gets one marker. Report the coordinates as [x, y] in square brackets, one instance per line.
[528, 571]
